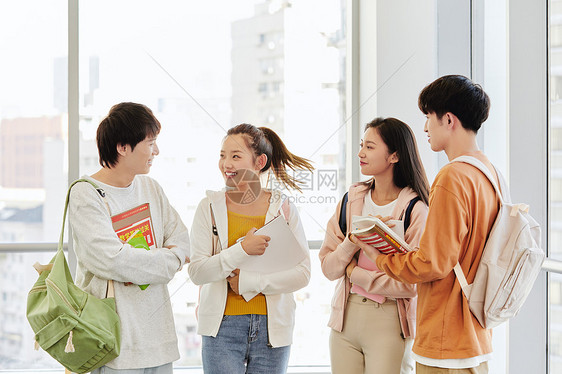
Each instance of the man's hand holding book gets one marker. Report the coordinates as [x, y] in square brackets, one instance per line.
[375, 236]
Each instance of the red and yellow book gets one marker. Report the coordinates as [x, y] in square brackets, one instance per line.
[375, 232]
[135, 227]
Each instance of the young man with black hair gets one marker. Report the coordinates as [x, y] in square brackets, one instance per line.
[462, 209]
[126, 141]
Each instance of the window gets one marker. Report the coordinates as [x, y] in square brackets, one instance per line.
[254, 72]
[33, 158]
[555, 198]
[159, 58]
[262, 89]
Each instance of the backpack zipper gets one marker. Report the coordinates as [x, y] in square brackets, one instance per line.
[38, 288]
[515, 274]
[59, 292]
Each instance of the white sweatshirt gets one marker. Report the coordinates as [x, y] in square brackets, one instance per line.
[148, 336]
[211, 271]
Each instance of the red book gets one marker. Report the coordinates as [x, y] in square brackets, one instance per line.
[129, 224]
[376, 233]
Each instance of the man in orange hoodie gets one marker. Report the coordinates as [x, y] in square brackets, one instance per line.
[462, 209]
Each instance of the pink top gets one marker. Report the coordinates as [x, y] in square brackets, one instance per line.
[337, 251]
[365, 262]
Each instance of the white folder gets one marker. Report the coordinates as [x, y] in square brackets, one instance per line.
[282, 253]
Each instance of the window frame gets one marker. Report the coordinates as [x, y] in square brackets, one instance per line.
[528, 77]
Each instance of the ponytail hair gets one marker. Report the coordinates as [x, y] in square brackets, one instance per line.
[409, 170]
[264, 140]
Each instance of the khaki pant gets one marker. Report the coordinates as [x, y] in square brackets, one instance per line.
[371, 340]
[480, 369]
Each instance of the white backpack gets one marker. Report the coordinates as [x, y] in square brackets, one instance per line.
[511, 260]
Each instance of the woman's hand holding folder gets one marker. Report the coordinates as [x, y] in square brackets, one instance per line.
[255, 245]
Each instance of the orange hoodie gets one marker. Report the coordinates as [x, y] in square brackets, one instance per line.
[462, 209]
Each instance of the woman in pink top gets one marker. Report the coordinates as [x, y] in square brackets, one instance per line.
[373, 315]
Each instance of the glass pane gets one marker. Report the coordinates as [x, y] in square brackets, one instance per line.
[17, 340]
[33, 138]
[555, 344]
[33, 119]
[555, 198]
[204, 68]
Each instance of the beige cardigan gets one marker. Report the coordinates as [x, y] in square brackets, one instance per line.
[210, 270]
[336, 253]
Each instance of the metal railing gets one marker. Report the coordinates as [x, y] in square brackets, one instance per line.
[31, 247]
[549, 265]
[552, 266]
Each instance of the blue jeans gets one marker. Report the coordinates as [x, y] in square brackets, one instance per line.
[163, 369]
[242, 346]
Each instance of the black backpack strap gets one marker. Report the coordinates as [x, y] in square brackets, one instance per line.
[409, 212]
[343, 215]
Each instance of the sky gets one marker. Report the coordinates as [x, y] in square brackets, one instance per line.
[34, 32]
[183, 36]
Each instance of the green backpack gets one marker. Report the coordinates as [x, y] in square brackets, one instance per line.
[77, 329]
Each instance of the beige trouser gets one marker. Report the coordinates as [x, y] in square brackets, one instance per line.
[371, 340]
[480, 369]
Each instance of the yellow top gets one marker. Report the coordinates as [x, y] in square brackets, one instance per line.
[238, 226]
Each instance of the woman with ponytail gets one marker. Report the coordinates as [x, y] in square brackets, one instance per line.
[246, 318]
[373, 315]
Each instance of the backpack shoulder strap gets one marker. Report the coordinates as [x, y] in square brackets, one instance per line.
[480, 166]
[343, 214]
[466, 288]
[110, 290]
[462, 280]
[408, 212]
[100, 191]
